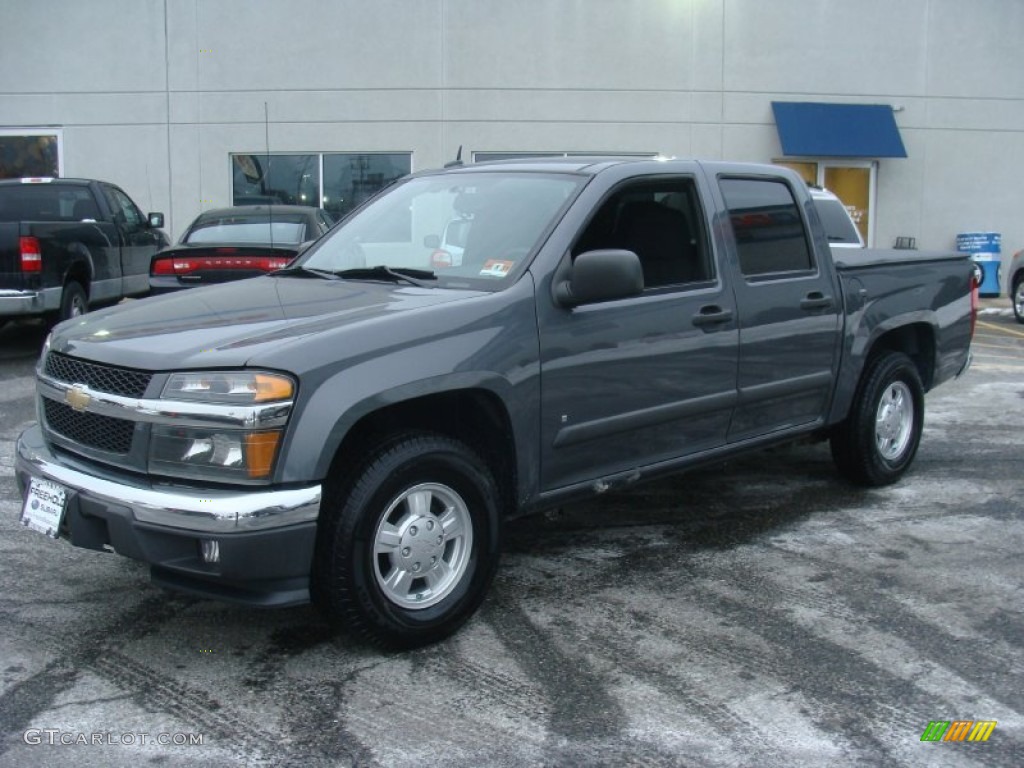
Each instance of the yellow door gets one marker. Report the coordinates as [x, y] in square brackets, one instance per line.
[853, 187]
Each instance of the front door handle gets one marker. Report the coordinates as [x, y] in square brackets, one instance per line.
[712, 315]
[816, 300]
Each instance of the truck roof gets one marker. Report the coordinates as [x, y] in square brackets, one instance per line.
[45, 180]
[591, 166]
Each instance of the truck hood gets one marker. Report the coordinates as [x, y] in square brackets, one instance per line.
[228, 324]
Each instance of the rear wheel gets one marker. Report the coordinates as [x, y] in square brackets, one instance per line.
[1017, 297]
[878, 441]
[73, 301]
[408, 551]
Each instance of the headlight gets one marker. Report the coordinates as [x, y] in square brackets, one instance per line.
[229, 387]
[225, 452]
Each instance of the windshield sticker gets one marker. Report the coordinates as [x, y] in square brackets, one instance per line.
[496, 268]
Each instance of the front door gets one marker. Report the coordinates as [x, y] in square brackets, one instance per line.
[653, 376]
[139, 243]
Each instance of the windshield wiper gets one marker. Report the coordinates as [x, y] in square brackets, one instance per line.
[302, 271]
[394, 274]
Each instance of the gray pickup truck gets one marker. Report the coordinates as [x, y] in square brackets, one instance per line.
[356, 428]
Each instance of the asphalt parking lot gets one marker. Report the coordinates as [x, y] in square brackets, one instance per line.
[761, 611]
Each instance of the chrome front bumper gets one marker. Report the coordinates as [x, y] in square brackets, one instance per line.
[165, 504]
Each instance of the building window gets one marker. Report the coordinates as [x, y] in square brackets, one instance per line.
[352, 179]
[336, 182]
[26, 152]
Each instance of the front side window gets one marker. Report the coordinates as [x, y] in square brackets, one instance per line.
[124, 209]
[766, 223]
[474, 230]
[659, 221]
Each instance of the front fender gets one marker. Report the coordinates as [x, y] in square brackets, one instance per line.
[489, 345]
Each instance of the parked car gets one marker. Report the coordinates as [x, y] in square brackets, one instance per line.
[447, 249]
[835, 217]
[69, 244]
[358, 435]
[234, 243]
[1015, 279]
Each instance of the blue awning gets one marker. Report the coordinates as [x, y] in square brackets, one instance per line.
[811, 129]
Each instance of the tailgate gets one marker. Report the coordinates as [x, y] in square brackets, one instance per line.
[10, 251]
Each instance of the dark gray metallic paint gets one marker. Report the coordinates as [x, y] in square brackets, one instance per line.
[595, 394]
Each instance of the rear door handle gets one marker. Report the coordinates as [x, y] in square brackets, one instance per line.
[712, 315]
[816, 300]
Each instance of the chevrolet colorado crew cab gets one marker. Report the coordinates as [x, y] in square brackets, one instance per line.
[66, 244]
[355, 429]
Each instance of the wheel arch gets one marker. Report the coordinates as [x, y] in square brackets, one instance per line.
[917, 341]
[475, 416]
[81, 269]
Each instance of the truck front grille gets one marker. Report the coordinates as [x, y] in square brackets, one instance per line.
[102, 378]
[103, 433]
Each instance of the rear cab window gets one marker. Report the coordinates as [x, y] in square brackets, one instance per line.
[46, 202]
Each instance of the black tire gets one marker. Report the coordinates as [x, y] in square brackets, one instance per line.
[1017, 297]
[408, 485]
[73, 301]
[877, 442]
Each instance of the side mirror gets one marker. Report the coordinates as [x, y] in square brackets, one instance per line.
[432, 241]
[156, 221]
[602, 275]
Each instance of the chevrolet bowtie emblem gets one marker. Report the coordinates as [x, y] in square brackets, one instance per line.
[77, 399]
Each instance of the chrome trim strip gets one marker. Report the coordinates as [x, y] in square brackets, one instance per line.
[177, 413]
[207, 511]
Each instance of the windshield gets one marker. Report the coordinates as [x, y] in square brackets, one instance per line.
[471, 230]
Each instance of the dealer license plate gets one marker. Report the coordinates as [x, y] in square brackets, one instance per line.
[44, 507]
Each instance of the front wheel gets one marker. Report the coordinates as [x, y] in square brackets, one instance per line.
[878, 440]
[407, 552]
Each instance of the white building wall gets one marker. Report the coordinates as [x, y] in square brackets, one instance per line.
[155, 94]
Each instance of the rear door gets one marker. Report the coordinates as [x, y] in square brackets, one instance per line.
[789, 310]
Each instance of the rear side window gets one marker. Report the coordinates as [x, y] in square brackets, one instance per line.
[766, 223]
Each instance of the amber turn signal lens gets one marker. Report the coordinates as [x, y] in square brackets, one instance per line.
[270, 387]
[260, 450]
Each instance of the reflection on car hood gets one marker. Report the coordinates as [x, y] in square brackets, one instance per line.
[227, 324]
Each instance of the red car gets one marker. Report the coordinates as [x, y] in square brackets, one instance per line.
[234, 243]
